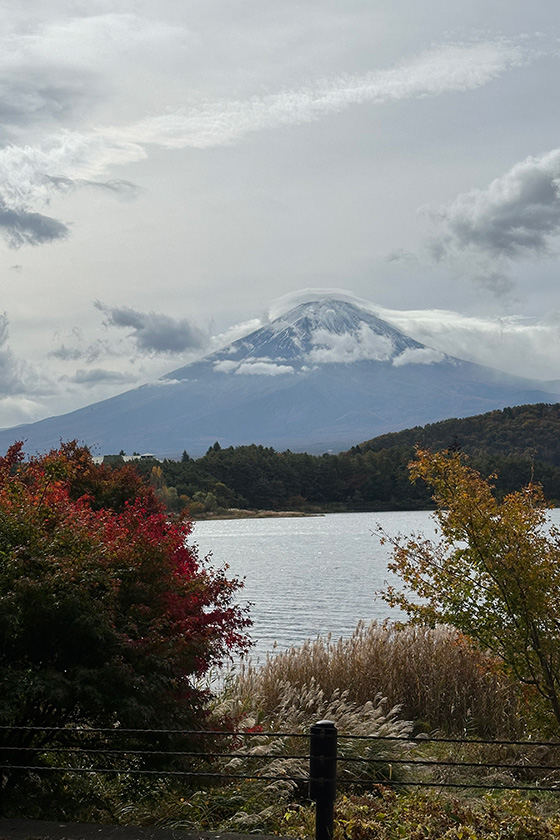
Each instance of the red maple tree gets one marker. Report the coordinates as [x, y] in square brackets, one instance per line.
[108, 617]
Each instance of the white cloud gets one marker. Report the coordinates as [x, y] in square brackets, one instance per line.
[253, 366]
[90, 40]
[18, 409]
[233, 333]
[226, 366]
[520, 346]
[11, 369]
[349, 347]
[17, 376]
[446, 68]
[260, 368]
[163, 382]
[23, 386]
[290, 300]
[418, 356]
[31, 174]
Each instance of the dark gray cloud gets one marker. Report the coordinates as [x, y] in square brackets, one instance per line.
[155, 333]
[21, 227]
[79, 350]
[66, 354]
[95, 376]
[123, 189]
[120, 188]
[517, 215]
[25, 182]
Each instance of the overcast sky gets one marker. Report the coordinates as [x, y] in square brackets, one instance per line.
[171, 169]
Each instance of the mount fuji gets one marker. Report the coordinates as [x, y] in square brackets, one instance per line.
[324, 376]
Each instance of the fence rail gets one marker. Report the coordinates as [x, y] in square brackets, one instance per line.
[332, 759]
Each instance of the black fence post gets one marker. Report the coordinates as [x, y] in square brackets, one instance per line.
[322, 776]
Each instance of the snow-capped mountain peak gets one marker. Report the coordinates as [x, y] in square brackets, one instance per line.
[327, 324]
[315, 333]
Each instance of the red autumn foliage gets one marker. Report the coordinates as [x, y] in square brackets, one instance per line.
[108, 615]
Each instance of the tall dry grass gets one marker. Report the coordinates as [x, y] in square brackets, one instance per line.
[368, 758]
[436, 677]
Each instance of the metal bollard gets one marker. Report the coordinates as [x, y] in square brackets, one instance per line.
[322, 776]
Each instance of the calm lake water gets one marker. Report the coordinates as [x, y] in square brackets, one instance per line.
[308, 576]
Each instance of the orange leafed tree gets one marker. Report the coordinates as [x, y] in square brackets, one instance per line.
[493, 571]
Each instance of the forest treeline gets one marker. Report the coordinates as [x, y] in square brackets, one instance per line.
[518, 444]
[530, 431]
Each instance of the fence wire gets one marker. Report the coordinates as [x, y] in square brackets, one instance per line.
[372, 771]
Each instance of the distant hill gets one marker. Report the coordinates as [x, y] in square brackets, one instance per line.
[529, 431]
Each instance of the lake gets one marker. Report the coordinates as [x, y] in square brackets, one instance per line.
[308, 576]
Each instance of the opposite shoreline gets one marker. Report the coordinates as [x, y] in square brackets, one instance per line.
[240, 513]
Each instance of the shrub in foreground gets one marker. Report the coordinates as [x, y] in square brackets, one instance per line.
[107, 616]
[434, 816]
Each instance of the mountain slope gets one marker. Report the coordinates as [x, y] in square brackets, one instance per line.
[323, 376]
